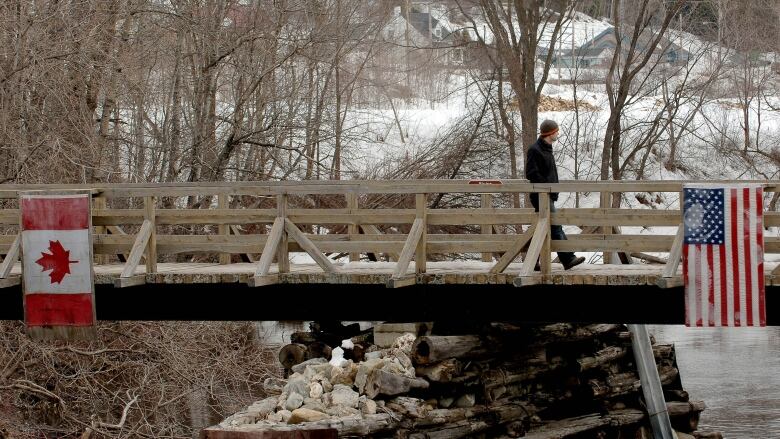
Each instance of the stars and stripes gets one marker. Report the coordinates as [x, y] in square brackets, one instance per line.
[723, 256]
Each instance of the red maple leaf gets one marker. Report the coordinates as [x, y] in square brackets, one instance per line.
[58, 261]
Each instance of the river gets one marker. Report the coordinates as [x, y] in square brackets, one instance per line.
[735, 371]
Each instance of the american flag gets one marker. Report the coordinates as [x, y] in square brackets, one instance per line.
[723, 256]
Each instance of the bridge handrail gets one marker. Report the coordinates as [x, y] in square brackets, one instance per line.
[600, 232]
[312, 187]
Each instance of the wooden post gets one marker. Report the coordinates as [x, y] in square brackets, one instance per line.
[282, 255]
[651, 382]
[151, 247]
[223, 202]
[352, 229]
[545, 259]
[99, 203]
[606, 203]
[421, 255]
[487, 229]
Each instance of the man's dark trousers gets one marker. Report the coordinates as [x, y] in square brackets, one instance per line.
[556, 234]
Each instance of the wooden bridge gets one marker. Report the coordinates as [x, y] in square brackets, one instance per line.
[390, 234]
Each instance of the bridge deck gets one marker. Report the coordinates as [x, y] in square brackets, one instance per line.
[380, 273]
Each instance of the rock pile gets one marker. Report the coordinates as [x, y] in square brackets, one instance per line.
[503, 380]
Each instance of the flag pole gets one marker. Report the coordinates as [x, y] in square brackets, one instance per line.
[651, 383]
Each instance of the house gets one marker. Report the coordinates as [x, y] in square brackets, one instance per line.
[599, 51]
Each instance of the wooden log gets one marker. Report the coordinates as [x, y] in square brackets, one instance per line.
[442, 371]
[604, 356]
[292, 354]
[432, 349]
[381, 382]
[453, 431]
[318, 349]
[584, 424]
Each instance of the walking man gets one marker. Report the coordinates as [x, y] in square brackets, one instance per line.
[540, 168]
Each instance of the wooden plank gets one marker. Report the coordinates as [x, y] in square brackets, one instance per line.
[352, 228]
[223, 201]
[270, 249]
[670, 282]
[776, 271]
[409, 248]
[151, 247]
[403, 281]
[10, 281]
[439, 217]
[675, 253]
[421, 254]
[139, 246]
[387, 187]
[615, 243]
[535, 248]
[545, 258]
[9, 217]
[237, 232]
[299, 237]
[10, 258]
[261, 281]
[282, 256]
[525, 281]
[132, 281]
[370, 229]
[486, 202]
[517, 246]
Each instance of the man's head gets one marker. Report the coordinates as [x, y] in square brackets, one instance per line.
[548, 131]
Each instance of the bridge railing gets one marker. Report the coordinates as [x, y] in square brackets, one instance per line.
[135, 231]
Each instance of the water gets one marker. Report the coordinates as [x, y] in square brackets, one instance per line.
[735, 371]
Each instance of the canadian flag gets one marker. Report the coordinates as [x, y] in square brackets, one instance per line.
[57, 260]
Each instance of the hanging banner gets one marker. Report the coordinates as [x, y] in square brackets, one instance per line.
[723, 255]
[57, 261]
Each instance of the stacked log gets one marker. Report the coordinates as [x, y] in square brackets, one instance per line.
[500, 380]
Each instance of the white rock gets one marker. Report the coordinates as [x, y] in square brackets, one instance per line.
[299, 385]
[285, 414]
[301, 367]
[294, 401]
[343, 395]
[405, 342]
[367, 406]
[337, 358]
[316, 390]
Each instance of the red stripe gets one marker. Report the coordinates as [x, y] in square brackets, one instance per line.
[711, 286]
[58, 309]
[734, 253]
[686, 283]
[55, 213]
[724, 305]
[699, 288]
[748, 256]
[760, 244]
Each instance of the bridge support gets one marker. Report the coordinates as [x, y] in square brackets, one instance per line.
[651, 383]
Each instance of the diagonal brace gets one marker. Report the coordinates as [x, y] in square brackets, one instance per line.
[675, 253]
[295, 233]
[409, 248]
[535, 248]
[269, 251]
[513, 251]
[139, 246]
[10, 258]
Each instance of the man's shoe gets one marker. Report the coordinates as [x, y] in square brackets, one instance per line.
[573, 263]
